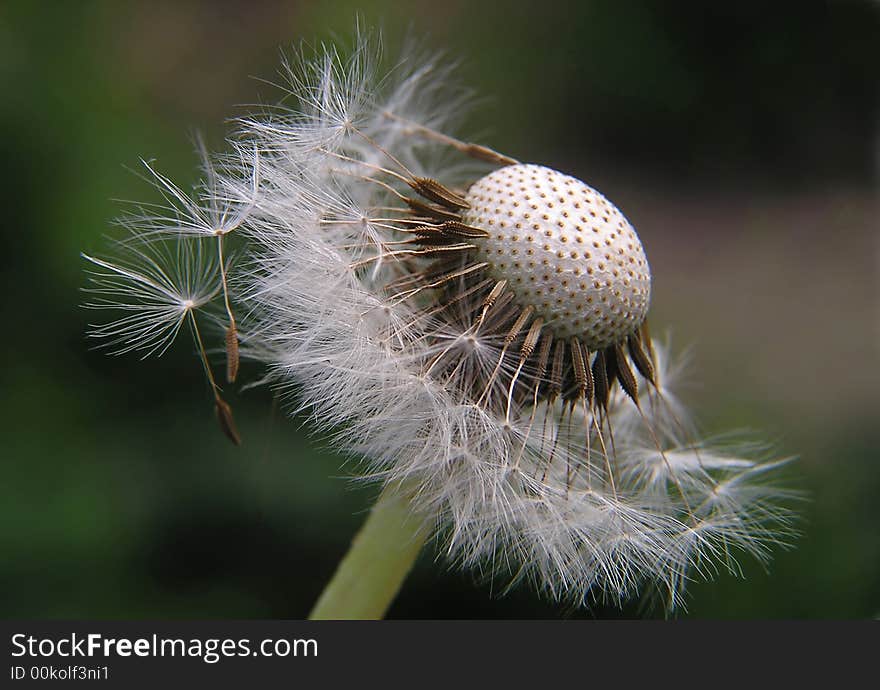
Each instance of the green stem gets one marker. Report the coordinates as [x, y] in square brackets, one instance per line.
[381, 555]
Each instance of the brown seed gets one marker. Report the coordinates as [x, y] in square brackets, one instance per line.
[227, 422]
[232, 355]
[610, 367]
[531, 339]
[433, 190]
[640, 358]
[543, 356]
[518, 325]
[625, 376]
[424, 209]
[600, 376]
[582, 375]
[555, 387]
[456, 228]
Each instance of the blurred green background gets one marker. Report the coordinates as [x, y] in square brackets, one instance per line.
[741, 139]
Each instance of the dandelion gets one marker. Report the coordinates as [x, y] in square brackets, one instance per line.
[473, 327]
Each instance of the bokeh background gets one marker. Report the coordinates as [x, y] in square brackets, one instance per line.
[741, 139]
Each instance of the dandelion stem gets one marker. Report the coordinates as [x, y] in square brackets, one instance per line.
[381, 555]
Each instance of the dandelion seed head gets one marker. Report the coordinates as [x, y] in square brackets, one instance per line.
[472, 327]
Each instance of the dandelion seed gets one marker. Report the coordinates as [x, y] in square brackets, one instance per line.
[476, 330]
[160, 282]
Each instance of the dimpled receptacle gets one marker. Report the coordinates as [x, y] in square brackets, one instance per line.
[564, 249]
